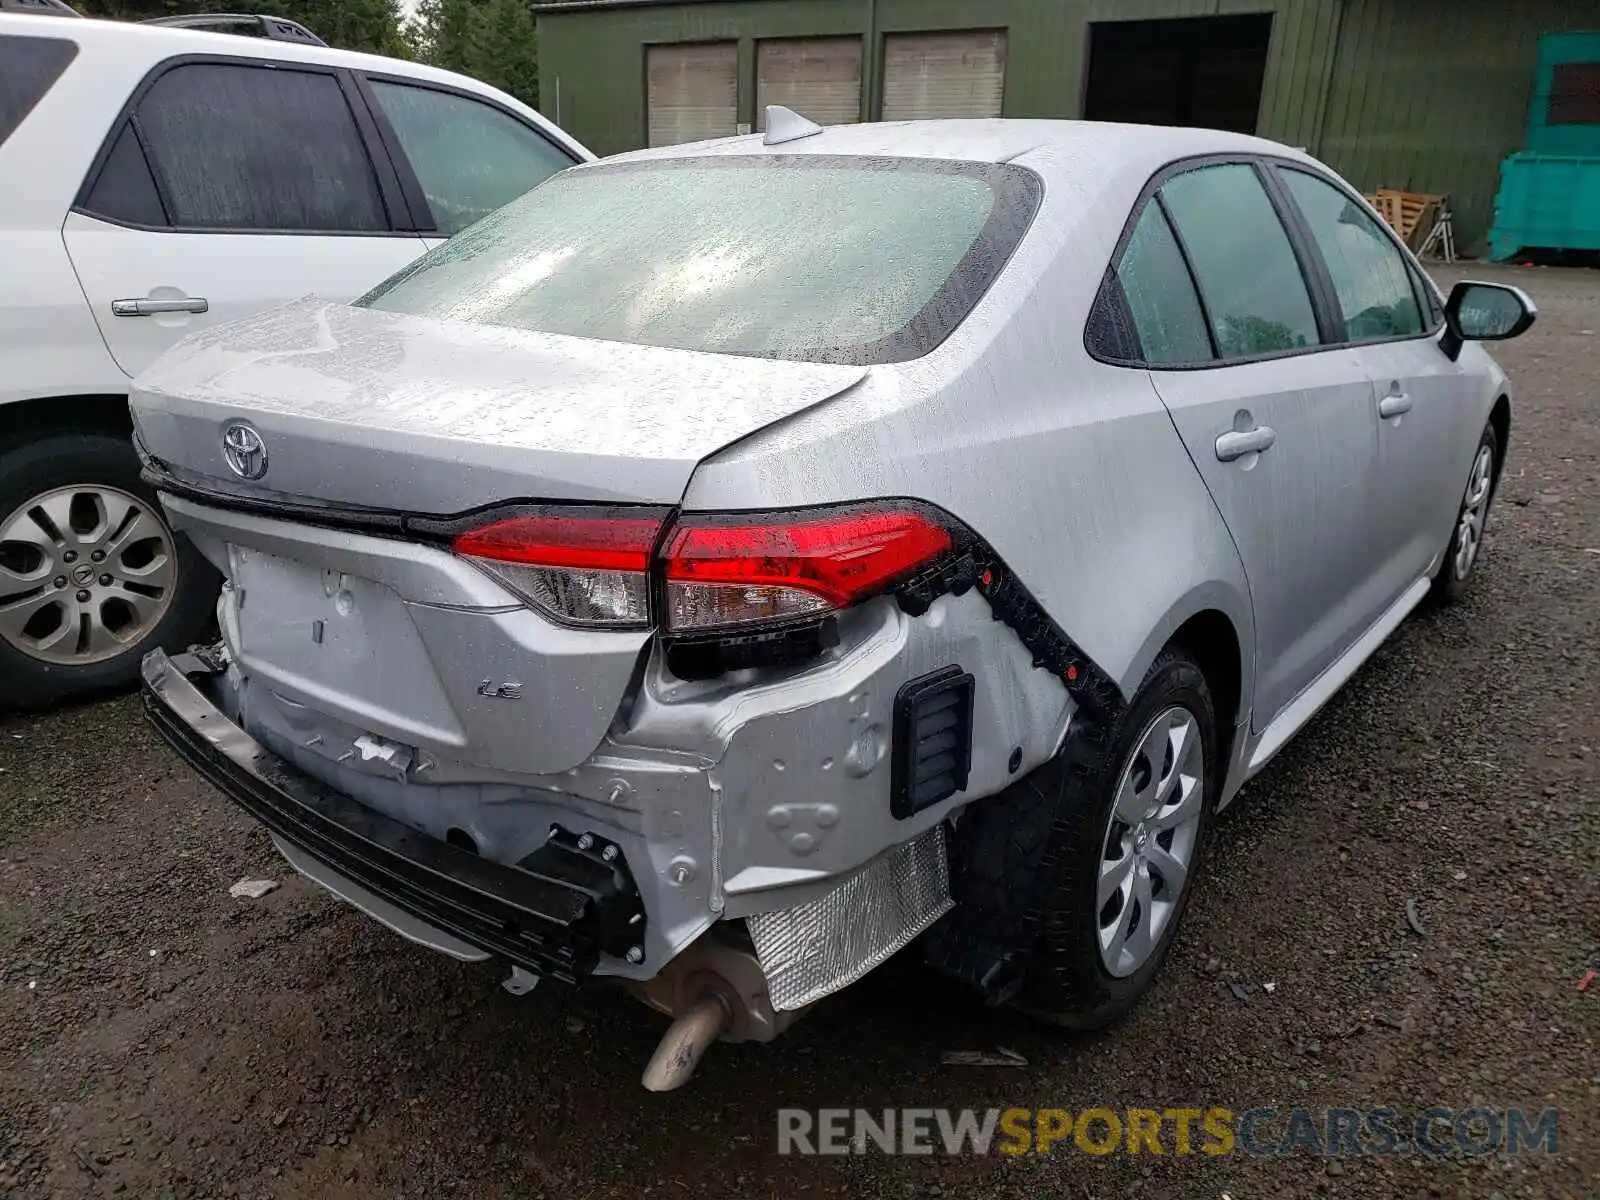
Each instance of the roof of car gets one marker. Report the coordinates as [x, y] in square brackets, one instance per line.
[163, 41]
[1037, 143]
[142, 44]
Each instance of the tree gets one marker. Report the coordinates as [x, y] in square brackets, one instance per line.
[492, 40]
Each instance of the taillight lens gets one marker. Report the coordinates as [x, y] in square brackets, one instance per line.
[728, 572]
[581, 569]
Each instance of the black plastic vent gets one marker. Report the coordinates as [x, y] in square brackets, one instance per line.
[932, 740]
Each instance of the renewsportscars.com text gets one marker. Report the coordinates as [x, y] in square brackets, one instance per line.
[1257, 1132]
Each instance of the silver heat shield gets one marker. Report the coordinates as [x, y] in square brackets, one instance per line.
[817, 948]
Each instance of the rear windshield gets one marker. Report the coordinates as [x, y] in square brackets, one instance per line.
[810, 258]
[28, 66]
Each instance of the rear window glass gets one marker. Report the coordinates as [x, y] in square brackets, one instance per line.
[28, 66]
[821, 259]
[257, 148]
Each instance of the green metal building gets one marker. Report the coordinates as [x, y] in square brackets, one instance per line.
[1426, 95]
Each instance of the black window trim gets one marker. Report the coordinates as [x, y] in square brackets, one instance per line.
[396, 213]
[1313, 268]
[421, 217]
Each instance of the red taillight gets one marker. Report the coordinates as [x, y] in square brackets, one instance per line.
[727, 572]
[594, 568]
[579, 568]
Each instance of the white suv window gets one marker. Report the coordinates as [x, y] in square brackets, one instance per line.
[251, 148]
[28, 66]
[469, 157]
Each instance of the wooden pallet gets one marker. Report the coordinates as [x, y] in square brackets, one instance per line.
[1410, 214]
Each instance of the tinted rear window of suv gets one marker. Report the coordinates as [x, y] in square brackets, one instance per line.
[28, 66]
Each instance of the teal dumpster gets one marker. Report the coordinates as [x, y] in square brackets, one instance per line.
[1547, 202]
[1549, 196]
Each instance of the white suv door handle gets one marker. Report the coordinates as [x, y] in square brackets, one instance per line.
[1393, 405]
[1250, 441]
[146, 307]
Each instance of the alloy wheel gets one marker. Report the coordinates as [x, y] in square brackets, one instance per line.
[86, 572]
[1150, 841]
[1474, 512]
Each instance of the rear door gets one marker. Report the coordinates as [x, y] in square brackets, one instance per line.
[1281, 430]
[459, 156]
[232, 185]
[1428, 422]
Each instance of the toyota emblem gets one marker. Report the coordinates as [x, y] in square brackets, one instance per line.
[245, 452]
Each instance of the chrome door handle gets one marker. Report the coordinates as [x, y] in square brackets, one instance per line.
[146, 307]
[1393, 405]
[1251, 441]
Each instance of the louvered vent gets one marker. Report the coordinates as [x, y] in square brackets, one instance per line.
[932, 740]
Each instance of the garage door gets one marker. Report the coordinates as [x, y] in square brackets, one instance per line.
[693, 91]
[943, 74]
[820, 78]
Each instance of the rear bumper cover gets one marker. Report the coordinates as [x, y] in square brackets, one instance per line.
[553, 917]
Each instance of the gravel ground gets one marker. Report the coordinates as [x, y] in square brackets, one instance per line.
[158, 1038]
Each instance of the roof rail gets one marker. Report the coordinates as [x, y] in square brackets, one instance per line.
[43, 8]
[277, 29]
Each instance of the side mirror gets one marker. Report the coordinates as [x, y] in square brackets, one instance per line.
[1485, 312]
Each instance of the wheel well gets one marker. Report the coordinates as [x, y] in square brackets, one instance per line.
[1500, 420]
[27, 419]
[1210, 639]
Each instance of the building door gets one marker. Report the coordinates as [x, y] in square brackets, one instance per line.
[819, 78]
[927, 75]
[692, 92]
[1201, 71]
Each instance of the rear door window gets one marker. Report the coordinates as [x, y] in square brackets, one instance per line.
[1245, 265]
[28, 67]
[469, 157]
[253, 148]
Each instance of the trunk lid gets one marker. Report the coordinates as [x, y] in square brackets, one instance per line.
[387, 411]
[392, 656]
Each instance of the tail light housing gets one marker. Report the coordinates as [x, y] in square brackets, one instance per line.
[736, 590]
[732, 573]
[583, 567]
[752, 575]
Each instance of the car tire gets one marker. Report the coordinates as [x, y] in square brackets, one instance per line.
[1032, 856]
[1472, 521]
[91, 575]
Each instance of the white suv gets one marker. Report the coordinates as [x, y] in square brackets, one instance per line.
[157, 180]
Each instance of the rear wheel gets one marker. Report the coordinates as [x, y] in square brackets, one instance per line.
[1071, 883]
[1472, 519]
[91, 575]
[1127, 842]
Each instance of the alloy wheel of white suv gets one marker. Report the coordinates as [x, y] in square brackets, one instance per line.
[91, 574]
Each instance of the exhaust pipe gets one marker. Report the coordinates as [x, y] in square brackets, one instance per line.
[685, 1043]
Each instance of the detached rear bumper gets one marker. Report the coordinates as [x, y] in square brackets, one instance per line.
[553, 914]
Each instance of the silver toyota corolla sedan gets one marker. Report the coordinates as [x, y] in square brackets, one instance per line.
[729, 564]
